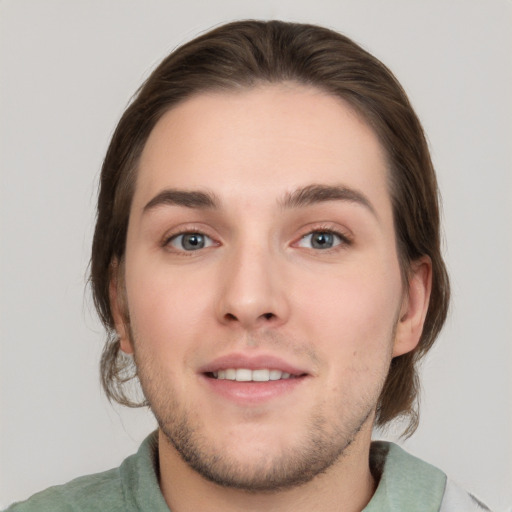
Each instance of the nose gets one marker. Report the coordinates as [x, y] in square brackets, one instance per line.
[252, 293]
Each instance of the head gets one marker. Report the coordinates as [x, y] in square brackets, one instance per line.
[247, 56]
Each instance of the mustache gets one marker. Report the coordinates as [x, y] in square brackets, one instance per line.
[276, 340]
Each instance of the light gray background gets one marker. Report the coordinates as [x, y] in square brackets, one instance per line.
[68, 69]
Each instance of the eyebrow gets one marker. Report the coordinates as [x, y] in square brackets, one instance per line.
[301, 197]
[189, 199]
[313, 194]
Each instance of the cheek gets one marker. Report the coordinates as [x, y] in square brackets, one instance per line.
[163, 307]
[352, 328]
[353, 313]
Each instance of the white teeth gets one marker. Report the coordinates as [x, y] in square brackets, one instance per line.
[243, 375]
[275, 374]
[261, 375]
[246, 375]
[231, 374]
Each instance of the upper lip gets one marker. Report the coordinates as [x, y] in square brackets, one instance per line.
[257, 362]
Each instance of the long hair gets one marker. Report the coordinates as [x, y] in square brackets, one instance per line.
[246, 54]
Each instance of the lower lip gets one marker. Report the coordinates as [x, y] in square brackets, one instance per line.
[253, 393]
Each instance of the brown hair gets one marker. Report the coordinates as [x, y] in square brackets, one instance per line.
[243, 55]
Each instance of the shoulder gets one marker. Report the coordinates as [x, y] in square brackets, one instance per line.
[87, 493]
[455, 499]
[409, 483]
[406, 482]
[130, 487]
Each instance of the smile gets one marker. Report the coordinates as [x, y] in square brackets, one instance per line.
[247, 375]
[248, 381]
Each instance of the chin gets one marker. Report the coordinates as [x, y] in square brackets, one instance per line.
[255, 463]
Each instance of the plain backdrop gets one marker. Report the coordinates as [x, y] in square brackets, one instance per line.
[67, 71]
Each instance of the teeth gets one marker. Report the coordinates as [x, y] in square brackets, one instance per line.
[275, 375]
[243, 375]
[230, 374]
[246, 375]
[260, 375]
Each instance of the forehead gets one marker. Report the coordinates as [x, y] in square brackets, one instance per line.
[259, 142]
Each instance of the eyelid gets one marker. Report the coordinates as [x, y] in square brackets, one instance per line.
[180, 249]
[187, 230]
[345, 236]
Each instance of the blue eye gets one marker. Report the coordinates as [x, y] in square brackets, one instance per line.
[190, 241]
[321, 240]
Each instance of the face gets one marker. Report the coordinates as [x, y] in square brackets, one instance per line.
[262, 284]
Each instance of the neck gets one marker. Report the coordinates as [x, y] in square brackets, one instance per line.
[345, 486]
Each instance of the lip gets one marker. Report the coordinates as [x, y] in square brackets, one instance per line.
[252, 363]
[246, 394]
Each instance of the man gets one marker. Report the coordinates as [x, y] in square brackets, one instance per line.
[267, 263]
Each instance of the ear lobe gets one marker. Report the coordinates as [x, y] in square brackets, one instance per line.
[118, 307]
[414, 307]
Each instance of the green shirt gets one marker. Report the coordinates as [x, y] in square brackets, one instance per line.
[406, 484]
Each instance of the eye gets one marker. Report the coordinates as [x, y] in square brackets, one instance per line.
[190, 241]
[321, 240]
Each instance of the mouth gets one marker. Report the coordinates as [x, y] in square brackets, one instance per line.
[248, 375]
[252, 379]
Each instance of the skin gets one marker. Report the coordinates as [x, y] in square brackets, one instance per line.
[264, 286]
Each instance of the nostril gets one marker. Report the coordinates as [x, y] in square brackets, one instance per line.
[231, 318]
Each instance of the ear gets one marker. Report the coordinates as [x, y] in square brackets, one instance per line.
[119, 306]
[414, 307]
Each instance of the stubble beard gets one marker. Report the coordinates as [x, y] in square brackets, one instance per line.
[272, 473]
[323, 444]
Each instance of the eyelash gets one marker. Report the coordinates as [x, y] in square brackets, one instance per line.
[344, 240]
[167, 242]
